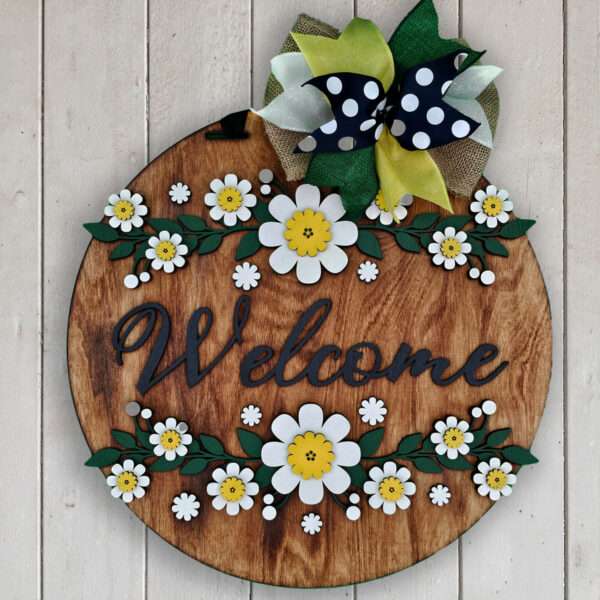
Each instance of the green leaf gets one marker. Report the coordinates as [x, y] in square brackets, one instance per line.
[261, 213]
[370, 441]
[424, 221]
[163, 465]
[410, 443]
[358, 475]
[194, 466]
[165, 225]
[102, 232]
[191, 243]
[264, 475]
[497, 437]
[516, 228]
[123, 250]
[143, 437]
[425, 239]
[460, 463]
[192, 222]
[426, 465]
[209, 244]
[518, 455]
[212, 444]
[493, 246]
[369, 244]
[248, 246]
[456, 221]
[250, 442]
[103, 458]
[427, 444]
[123, 438]
[476, 247]
[140, 252]
[478, 437]
[407, 242]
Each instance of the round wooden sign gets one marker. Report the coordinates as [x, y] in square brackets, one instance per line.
[331, 432]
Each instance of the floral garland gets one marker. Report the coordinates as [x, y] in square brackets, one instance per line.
[312, 454]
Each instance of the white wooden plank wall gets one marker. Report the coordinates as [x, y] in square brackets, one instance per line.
[89, 92]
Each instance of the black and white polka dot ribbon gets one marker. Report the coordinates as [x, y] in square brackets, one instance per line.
[414, 109]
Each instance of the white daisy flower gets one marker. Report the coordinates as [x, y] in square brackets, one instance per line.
[449, 248]
[310, 454]
[494, 479]
[125, 210]
[166, 251]
[311, 523]
[307, 233]
[439, 494]
[451, 437]
[251, 415]
[372, 411]
[368, 271]
[179, 193]
[246, 276]
[185, 506]
[128, 481]
[170, 439]
[378, 209]
[230, 200]
[491, 206]
[389, 488]
[232, 488]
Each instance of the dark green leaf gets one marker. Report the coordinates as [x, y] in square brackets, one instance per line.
[192, 222]
[476, 247]
[263, 475]
[162, 465]
[123, 438]
[425, 239]
[209, 244]
[460, 463]
[358, 475]
[140, 252]
[369, 244]
[194, 466]
[426, 465]
[456, 221]
[407, 242]
[518, 455]
[123, 250]
[485, 455]
[261, 213]
[248, 246]
[191, 243]
[103, 458]
[493, 246]
[410, 443]
[427, 444]
[250, 442]
[478, 437]
[194, 447]
[143, 437]
[424, 221]
[165, 225]
[370, 441]
[516, 228]
[497, 437]
[102, 232]
[212, 444]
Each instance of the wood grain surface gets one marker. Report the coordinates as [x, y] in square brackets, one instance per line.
[411, 302]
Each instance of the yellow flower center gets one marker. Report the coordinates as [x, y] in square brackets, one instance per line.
[391, 489]
[454, 437]
[124, 210]
[232, 489]
[310, 455]
[229, 199]
[127, 481]
[492, 206]
[381, 205]
[166, 250]
[450, 247]
[307, 232]
[496, 479]
[170, 439]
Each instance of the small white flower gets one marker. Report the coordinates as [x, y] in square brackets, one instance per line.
[488, 407]
[368, 271]
[311, 523]
[232, 488]
[269, 513]
[353, 513]
[439, 494]
[125, 210]
[146, 413]
[185, 506]
[372, 411]
[451, 437]
[307, 234]
[389, 488]
[492, 206]
[169, 439]
[449, 248]
[378, 209]
[166, 251]
[494, 479]
[128, 481]
[246, 276]
[251, 415]
[179, 193]
[230, 200]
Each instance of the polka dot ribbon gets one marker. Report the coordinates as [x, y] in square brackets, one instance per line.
[414, 109]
